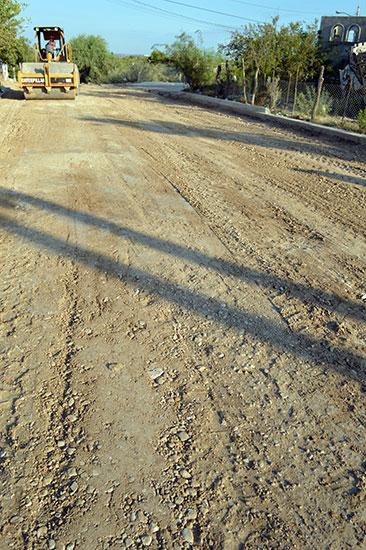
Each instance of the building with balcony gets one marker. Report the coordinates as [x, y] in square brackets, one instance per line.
[338, 34]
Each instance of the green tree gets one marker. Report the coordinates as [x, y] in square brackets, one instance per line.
[12, 45]
[23, 51]
[259, 46]
[157, 56]
[197, 64]
[92, 57]
[291, 51]
[301, 52]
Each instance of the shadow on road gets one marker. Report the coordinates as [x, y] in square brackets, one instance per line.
[301, 345]
[118, 93]
[345, 178]
[10, 93]
[329, 147]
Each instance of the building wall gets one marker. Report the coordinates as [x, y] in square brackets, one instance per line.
[338, 33]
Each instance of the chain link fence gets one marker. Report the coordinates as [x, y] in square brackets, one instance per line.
[337, 104]
[334, 102]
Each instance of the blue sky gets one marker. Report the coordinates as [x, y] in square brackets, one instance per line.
[134, 26]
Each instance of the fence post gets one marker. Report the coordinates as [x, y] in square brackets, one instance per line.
[295, 90]
[217, 86]
[255, 86]
[347, 99]
[227, 84]
[244, 83]
[288, 90]
[318, 92]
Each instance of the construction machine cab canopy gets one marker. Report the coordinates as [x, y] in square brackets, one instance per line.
[50, 33]
[51, 39]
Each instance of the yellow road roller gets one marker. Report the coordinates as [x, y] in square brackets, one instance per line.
[53, 75]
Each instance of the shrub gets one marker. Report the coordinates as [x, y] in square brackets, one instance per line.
[274, 91]
[305, 102]
[139, 69]
[198, 65]
[361, 119]
[91, 55]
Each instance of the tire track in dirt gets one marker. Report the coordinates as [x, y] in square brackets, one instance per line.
[282, 301]
[195, 195]
[236, 441]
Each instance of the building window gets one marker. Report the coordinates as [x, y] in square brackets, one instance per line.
[336, 33]
[353, 34]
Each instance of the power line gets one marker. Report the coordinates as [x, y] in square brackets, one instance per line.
[274, 9]
[212, 11]
[155, 10]
[186, 17]
[151, 10]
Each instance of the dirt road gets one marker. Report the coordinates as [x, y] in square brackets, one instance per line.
[183, 329]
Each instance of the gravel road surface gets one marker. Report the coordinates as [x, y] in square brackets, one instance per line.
[182, 329]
